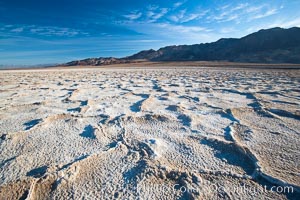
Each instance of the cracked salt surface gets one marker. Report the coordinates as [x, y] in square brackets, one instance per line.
[126, 133]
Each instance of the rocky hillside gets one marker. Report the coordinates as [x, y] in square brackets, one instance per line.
[274, 45]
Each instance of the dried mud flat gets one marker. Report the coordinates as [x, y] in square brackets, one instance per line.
[192, 133]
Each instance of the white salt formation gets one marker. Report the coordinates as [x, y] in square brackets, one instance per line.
[149, 133]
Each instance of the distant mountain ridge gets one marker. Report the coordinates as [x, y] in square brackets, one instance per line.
[275, 45]
[98, 61]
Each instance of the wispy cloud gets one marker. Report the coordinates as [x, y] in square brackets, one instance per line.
[229, 18]
[178, 4]
[265, 14]
[133, 16]
[42, 30]
[191, 17]
[182, 16]
[253, 9]
[155, 14]
[17, 30]
[178, 34]
[227, 13]
[223, 7]
[183, 29]
[54, 31]
[151, 14]
[242, 12]
[239, 7]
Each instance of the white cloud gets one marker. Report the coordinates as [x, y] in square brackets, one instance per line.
[182, 17]
[57, 31]
[183, 29]
[43, 30]
[223, 7]
[178, 34]
[152, 7]
[224, 17]
[266, 14]
[160, 14]
[229, 13]
[191, 17]
[155, 14]
[242, 12]
[226, 14]
[17, 30]
[230, 18]
[133, 16]
[151, 14]
[254, 9]
[179, 16]
[178, 4]
[240, 6]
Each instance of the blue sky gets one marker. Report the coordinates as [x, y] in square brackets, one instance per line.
[55, 31]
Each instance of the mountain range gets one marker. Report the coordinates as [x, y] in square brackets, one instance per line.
[275, 45]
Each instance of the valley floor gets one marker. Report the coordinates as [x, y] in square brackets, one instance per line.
[150, 133]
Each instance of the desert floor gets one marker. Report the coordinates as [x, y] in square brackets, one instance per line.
[150, 133]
